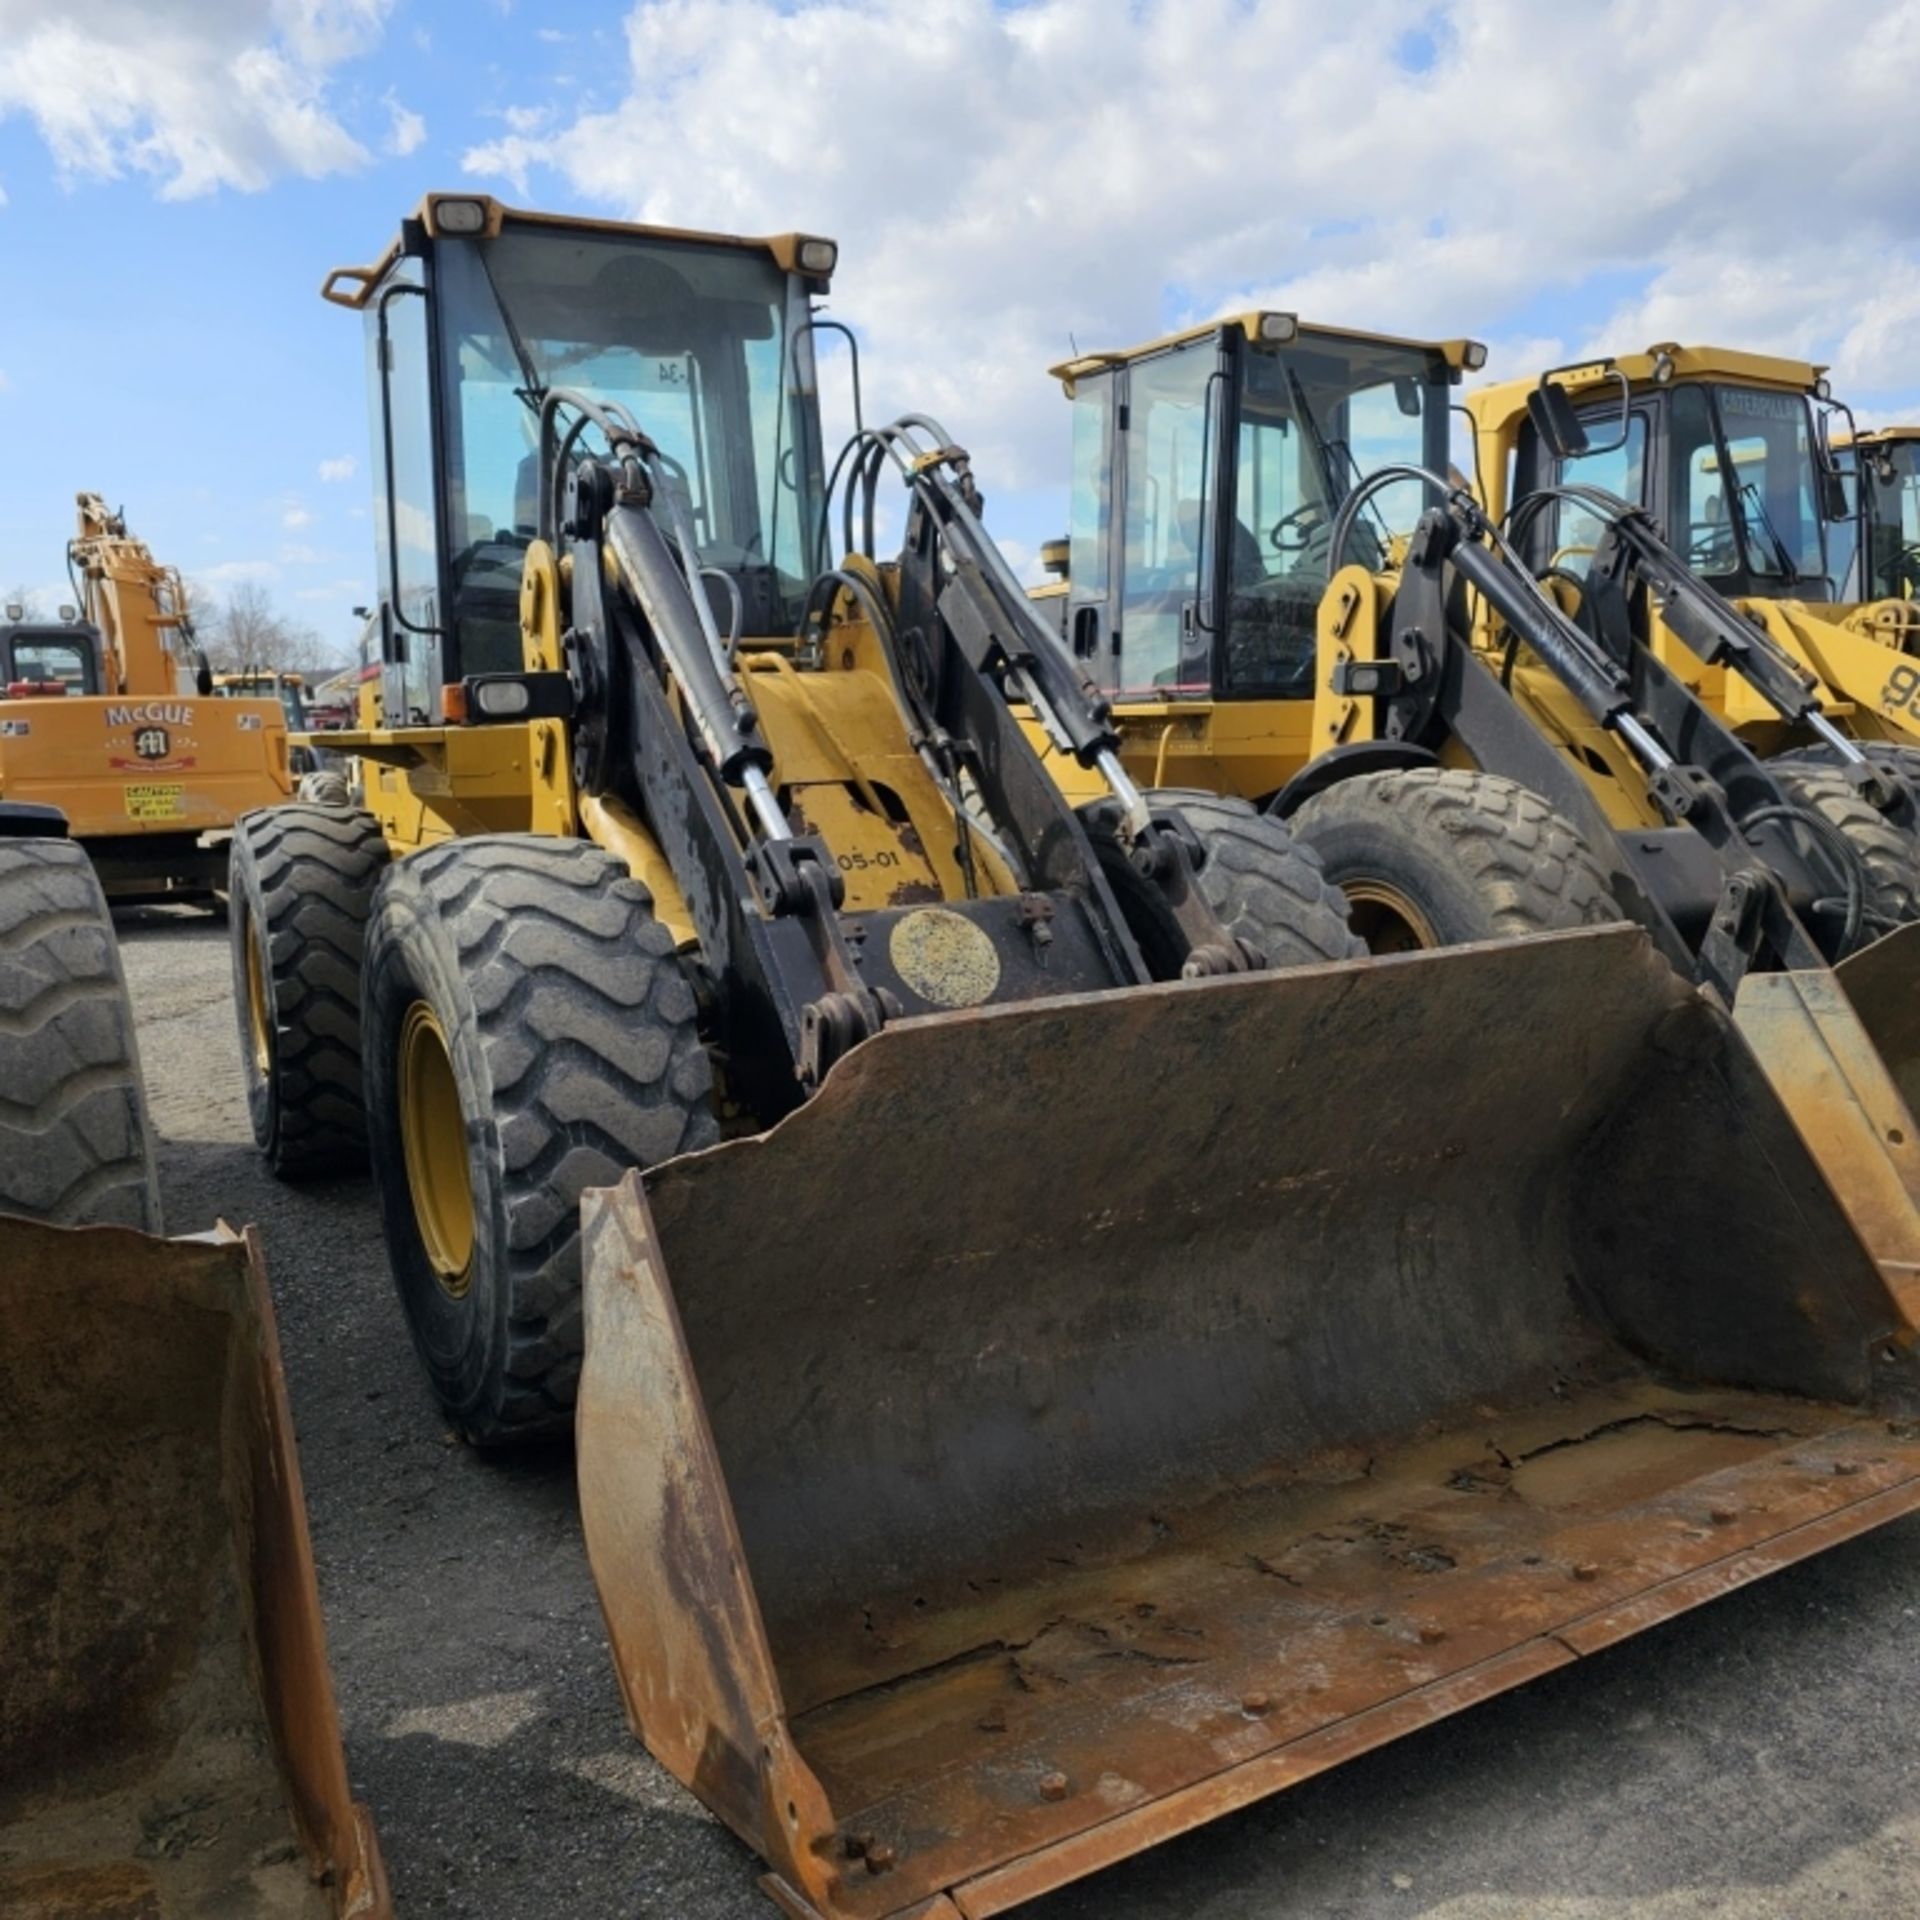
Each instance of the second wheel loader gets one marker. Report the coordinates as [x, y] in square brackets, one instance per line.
[1065, 1346]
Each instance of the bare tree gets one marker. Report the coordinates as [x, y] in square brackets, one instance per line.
[247, 633]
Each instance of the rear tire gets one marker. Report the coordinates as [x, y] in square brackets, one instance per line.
[301, 887]
[1264, 886]
[530, 1033]
[76, 1147]
[1438, 856]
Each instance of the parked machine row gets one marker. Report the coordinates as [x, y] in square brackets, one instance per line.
[1128, 1191]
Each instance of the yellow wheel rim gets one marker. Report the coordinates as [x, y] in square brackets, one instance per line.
[1386, 919]
[259, 1016]
[433, 1139]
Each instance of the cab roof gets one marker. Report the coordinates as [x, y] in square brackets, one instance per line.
[353, 286]
[1458, 354]
[1498, 404]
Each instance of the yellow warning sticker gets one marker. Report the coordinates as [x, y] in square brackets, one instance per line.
[151, 801]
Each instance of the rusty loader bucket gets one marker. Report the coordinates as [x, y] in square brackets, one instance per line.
[1084, 1419]
[169, 1745]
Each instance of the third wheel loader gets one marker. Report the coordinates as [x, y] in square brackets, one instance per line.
[1063, 1344]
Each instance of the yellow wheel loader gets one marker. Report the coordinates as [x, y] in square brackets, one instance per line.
[169, 1746]
[1027, 1405]
[1741, 463]
[110, 715]
[1277, 585]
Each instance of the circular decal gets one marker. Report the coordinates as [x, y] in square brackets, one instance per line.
[944, 958]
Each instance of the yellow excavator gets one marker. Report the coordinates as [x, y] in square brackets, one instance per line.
[109, 714]
[1060, 1345]
[169, 1744]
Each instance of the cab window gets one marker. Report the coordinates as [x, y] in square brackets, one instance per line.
[1618, 470]
[52, 660]
[1168, 451]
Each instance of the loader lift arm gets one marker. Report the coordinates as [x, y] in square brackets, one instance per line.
[955, 580]
[1632, 554]
[1767, 864]
[688, 748]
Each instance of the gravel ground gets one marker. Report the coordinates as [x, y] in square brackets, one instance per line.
[1755, 1759]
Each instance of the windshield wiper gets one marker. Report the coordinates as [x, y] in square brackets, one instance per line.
[1332, 478]
[1789, 573]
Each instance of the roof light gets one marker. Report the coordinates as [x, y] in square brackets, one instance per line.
[69, 614]
[818, 256]
[1662, 366]
[1473, 355]
[460, 216]
[1277, 328]
[1823, 388]
[15, 611]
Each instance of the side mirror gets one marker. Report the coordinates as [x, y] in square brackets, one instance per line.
[1836, 502]
[1550, 408]
[1406, 395]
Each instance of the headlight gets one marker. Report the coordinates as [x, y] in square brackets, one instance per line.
[1278, 327]
[818, 256]
[1473, 356]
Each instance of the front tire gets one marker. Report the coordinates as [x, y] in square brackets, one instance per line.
[76, 1147]
[529, 1033]
[1436, 857]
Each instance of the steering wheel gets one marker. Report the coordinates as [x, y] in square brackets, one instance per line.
[1304, 522]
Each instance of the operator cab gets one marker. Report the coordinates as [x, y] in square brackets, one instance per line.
[477, 313]
[1207, 472]
[1887, 462]
[42, 659]
[1724, 451]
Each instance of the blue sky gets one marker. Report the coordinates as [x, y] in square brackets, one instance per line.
[178, 175]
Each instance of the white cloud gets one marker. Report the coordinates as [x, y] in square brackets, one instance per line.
[1109, 168]
[344, 468]
[226, 572]
[197, 94]
[295, 554]
[406, 130]
[295, 517]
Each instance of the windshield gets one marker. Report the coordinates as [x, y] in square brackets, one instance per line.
[1891, 471]
[1317, 417]
[693, 340]
[1745, 486]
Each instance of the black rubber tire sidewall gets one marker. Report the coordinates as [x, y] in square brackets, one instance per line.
[1478, 855]
[410, 956]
